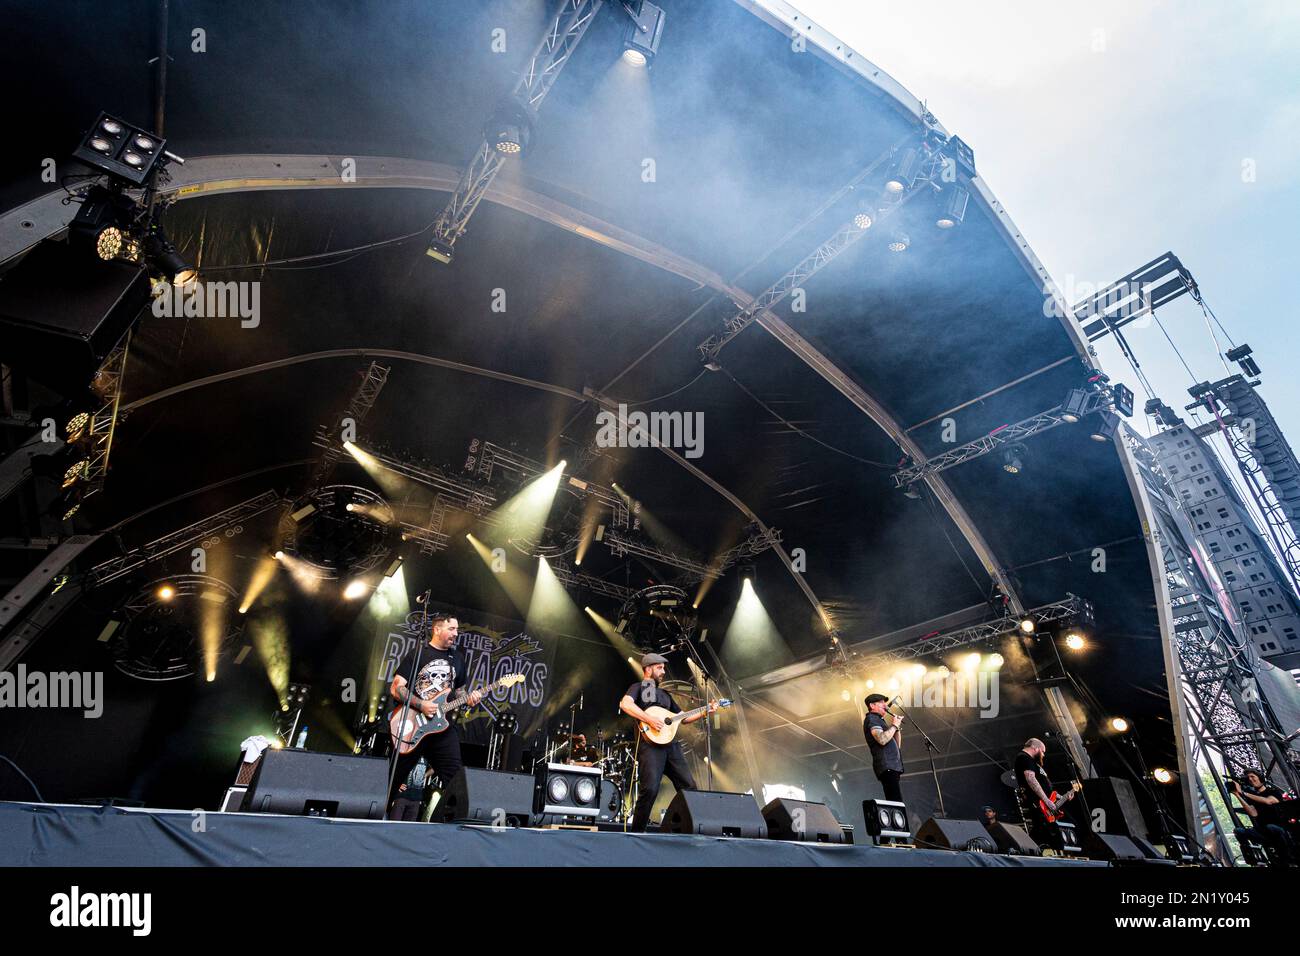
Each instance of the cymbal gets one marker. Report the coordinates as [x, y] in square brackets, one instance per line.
[680, 688]
[1009, 779]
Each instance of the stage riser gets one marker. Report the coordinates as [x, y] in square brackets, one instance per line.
[49, 835]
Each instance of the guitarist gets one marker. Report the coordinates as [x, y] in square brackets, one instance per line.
[441, 665]
[654, 761]
[1035, 785]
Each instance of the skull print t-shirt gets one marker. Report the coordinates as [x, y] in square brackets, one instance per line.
[438, 669]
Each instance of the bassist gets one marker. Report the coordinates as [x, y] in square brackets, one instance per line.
[441, 665]
[1035, 788]
[653, 760]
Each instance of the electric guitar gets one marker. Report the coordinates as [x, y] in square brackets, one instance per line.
[672, 721]
[408, 726]
[1049, 807]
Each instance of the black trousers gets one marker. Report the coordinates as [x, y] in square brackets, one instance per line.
[891, 780]
[654, 762]
[440, 751]
[1271, 835]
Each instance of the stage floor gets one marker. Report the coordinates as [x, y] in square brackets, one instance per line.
[42, 834]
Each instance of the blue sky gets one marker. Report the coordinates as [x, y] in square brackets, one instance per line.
[1115, 131]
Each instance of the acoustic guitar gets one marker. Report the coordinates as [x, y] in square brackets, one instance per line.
[672, 721]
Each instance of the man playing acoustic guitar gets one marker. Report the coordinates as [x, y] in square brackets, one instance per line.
[655, 760]
[441, 665]
[1035, 788]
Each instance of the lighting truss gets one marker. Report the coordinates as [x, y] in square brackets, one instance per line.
[1070, 607]
[1099, 399]
[813, 263]
[232, 517]
[486, 458]
[570, 578]
[103, 423]
[562, 36]
[761, 540]
[358, 407]
[620, 544]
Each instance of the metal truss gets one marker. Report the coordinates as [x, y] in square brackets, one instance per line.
[160, 548]
[562, 36]
[817, 260]
[103, 423]
[1227, 714]
[620, 544]
[1069, 607]
[358, 407]
[581, 580]
[486, 458]
[1007, 434]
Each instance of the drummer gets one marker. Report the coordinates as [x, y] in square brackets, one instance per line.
[581, 755]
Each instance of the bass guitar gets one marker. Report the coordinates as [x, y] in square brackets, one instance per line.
[1050, 808]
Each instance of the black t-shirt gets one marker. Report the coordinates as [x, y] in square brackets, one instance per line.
[437, 669]
[1028, 797]
[647, 693]
[1267, 812]
[883, 756]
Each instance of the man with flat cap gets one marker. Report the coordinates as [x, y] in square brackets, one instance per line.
[653, 760]
[884, 733]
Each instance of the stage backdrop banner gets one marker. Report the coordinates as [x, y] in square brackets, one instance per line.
[493, 647]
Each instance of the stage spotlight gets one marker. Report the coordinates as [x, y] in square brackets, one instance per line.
[510, 129]
[166, 592]
[1119, 725]
[1161, 775]
[102, 222]
[1013, 459]
[1076, 400]
[76, 428]
[954, 207]
[899, 242]
[905, 173]
[1106, 425]
[355, 589]
[862, 219]
[166, 260]
[846, 695]
[971, 661]
[1074, 641]
[995, 661]
[278, 555]
[641, 42]
[1027, 625]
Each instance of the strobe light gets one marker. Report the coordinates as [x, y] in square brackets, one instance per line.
[510, 129]
[954, 207]
[120, 149]
[641, 42]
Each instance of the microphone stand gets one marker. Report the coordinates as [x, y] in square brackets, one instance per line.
[931, 750]
[422, 600]
[694, 653]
